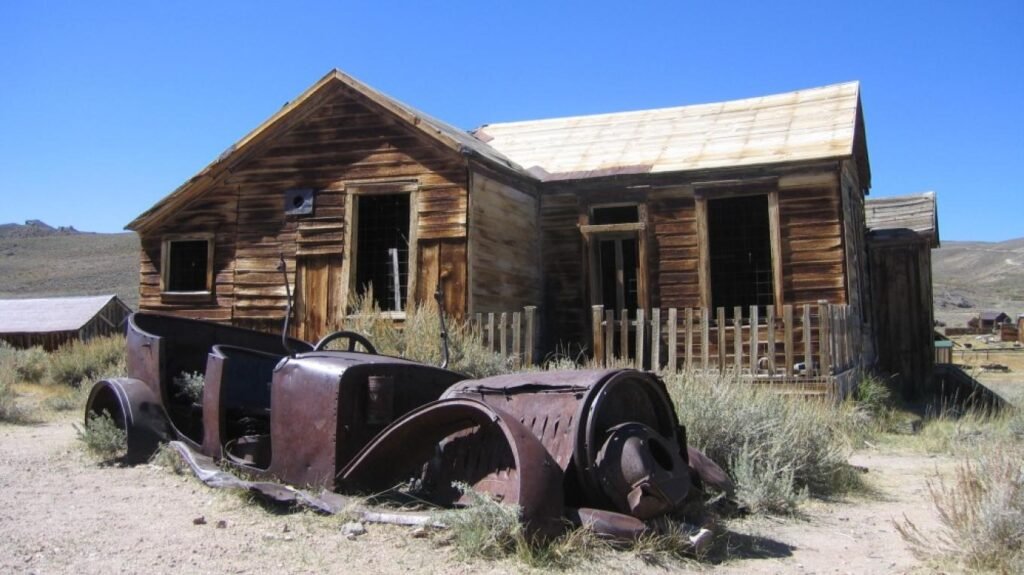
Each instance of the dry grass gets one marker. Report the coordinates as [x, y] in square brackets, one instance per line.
[981, 511]
[80, 362]
[102, 437]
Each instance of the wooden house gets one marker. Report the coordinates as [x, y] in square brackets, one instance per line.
[53, 322]
[990, 320]
[902, 231]
[740, 212]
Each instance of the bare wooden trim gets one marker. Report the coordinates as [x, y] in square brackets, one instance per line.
[165, 252]
[590, 229]
[775, 237]
[704, 255]
[735, 187]
[770, 319]
[643, 295]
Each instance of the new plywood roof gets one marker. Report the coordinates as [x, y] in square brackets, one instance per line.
[49, 314]
[914, 212]
[818, 123]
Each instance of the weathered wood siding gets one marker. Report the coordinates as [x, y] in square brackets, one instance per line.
[564, 303]
[341, 141]
[504, 246]
[901, 286]
[813, 266]
[675, 267]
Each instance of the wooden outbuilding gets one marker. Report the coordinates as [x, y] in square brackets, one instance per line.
[902, 231]
[989, 321]
[742, 215]
[53, 322]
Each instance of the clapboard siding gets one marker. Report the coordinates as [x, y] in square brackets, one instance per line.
[505, 252]
[675, 269]
[346, 140]
[564, 278]
[812, 245]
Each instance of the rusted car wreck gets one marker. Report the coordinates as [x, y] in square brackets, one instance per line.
[603, 448]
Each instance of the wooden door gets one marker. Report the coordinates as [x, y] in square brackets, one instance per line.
[318, 305]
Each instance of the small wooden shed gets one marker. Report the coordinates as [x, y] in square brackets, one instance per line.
[902, 231]
[53, 322]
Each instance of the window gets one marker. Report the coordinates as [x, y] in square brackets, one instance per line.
[187, 265]
[740, 253]
[615, 236]
[382, 248]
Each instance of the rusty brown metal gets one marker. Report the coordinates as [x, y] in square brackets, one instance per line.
[471, 442]
[600, 448]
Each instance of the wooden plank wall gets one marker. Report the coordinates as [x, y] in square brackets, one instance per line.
[675, 269]
[345, 140]
[812, 244]
[563, 307]
[505, 248]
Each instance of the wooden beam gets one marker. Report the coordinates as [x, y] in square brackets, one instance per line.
[704, 255]
[775, 237]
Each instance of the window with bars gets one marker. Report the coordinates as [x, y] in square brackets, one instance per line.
[382, 249]
[740, 253]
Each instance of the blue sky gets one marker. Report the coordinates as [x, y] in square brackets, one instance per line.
[107, 107]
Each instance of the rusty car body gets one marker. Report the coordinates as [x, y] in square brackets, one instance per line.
[598, 447]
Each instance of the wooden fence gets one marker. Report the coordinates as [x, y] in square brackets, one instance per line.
[512, 334]
[800, 342]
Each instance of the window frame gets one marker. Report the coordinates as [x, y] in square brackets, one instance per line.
[705, 191]
[349, 271]
[166, 243]
[594, 234]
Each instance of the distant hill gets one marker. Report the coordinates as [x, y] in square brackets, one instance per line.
[969, 277]
[38, 260]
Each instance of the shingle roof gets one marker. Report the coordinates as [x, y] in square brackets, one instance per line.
[49, 314]
[809, 124]
[914, 212]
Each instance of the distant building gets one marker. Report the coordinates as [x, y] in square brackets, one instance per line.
[52, 322]
[989, 321]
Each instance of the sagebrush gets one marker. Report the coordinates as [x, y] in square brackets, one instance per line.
[80, 362]
[103, 437]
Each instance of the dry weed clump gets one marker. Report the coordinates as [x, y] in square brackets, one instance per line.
[778, 449]
[419, 338]
[80, 361]
[981, 511]
[103, 437]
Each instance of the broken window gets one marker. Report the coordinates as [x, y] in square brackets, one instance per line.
[614, 232]
[188, 265]
[740, 253]
[382, 249]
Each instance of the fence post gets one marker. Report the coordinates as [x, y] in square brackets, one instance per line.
[754, 339]
[609, 336]
[672, 341]
[504, 338]
[640, 332]
[824, 337]
[808, 355]
[787, 321]
[770, 319]
[737, 344]
[689, 338]
[490, 331]
[720, 313]
[596, 313]
[531, 312]
[656, 339]
[705, 320]
[516, 330]
[624, 334]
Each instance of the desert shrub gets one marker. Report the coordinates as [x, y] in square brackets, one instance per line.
[168, 458]
[190, 386]
[76, 363]
[31, 364]
[10, 410]
[777, 448]
[419, 338]
[103, 437]
[981, 511]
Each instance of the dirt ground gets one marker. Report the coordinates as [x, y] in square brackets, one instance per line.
[63, 513]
